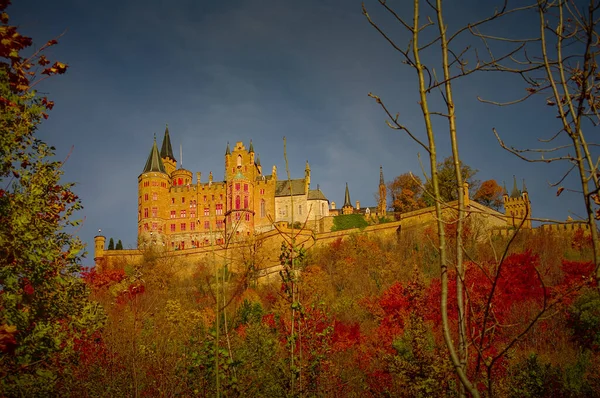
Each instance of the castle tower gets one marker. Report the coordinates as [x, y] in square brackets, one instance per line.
[99, 242]
[240, 176]
[347, 208]
[382, 205]
[166, 153]
[517, 206]
[153, 190]
[306, 178]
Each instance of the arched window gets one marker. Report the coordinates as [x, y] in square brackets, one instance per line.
[237, 202]
[245, 202]
[239, 161]
[263, 210]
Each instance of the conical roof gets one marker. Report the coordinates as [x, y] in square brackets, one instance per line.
[251, 147]
[515, 191]
[227, 151]
[154, 162]
[166, 150]
[347, 197]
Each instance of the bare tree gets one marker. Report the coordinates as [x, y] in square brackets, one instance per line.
[561, 66]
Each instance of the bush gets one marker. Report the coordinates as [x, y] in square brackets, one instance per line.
[349, 221]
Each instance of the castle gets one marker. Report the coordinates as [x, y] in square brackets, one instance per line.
[176, 212]
[196, 219]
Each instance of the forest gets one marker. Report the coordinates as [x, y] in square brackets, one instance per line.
[442, 310]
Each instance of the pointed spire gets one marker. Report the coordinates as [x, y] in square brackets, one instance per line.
[515, 191]
[166, 151]
[258, 160]
[381, 181]
[347, 201]
[524, 187]
[505, 190]
[307, 168]
[227, 151]
[251, 147]
[154, 162]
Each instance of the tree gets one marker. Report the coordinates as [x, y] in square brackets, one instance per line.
[490, 194]
[111, 244]
[43, 303]
[119, 245]
[406, 192]
[447, 181]
[560, 66]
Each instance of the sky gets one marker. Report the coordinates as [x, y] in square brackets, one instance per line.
[229, 71]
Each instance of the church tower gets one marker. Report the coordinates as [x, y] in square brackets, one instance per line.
[382, 205]
[517, 206]
[153, 188]
[347, 207]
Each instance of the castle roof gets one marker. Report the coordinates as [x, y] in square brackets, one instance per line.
[166, 151]
[316, 194]
[154, 162]
[282, 188]
[515, 191]
[347, 198]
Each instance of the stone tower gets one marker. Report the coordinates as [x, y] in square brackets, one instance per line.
[382, 205]
[347, 207]
[241, 172]
[517, 206]
[153, 189]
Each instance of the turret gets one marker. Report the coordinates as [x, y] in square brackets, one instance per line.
[382, 205]
[166, 153]
[347, 208]
[306, 178]
[153, 191]
[99, 242]
[517, 206]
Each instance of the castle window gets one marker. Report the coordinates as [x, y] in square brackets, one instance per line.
[219, 209]
[262, 208]
[245, 187]
[204, 198]
[145, 197]
[237, 186]
[237, 217]
[154, 226]
[193, 213]
[180, 181]
[300, 210]
[192, 226]
[182, 214]
[173, 213]
[219, 224]
[213, 197]
[206, 224]
[262, 191]
[239, 161]
[155, 212]
[206, 211]
[237, 202]
[154, 196]
[182, 200]
[172, 201]
[247, 216]
[182, 226]
[221, 196]
[145, 227]
[145, 212]
[245, 202]
[172, 227]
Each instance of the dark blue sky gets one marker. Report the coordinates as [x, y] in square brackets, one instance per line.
[240, 70]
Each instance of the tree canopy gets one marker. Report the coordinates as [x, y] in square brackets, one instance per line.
[447, 181]
[406, 192]
[43, 304]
